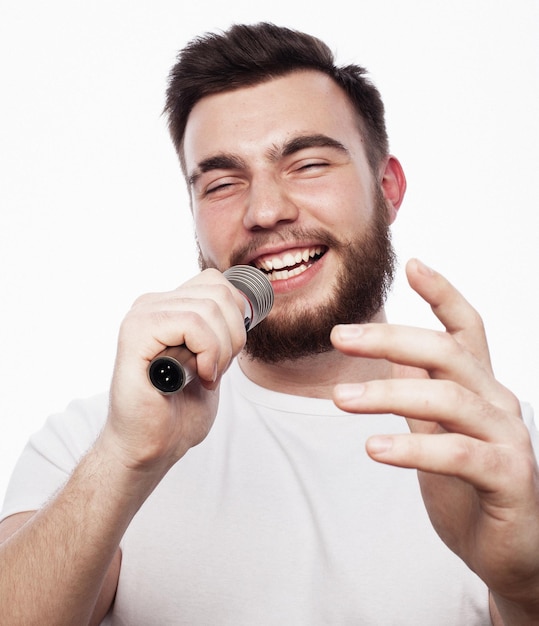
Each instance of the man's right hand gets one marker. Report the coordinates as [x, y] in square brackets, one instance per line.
[146, 429]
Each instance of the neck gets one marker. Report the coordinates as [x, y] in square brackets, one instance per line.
[314, 376]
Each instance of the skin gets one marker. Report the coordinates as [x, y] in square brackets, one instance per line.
[249, 207]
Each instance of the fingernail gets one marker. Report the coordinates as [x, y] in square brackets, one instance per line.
[349, 331]
[379, 445]
[424, 269]
[349, 391]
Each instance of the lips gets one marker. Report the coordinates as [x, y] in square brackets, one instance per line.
[290, 263]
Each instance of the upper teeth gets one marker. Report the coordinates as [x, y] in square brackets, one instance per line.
[289, 259]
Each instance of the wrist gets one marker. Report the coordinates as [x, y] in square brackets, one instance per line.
[127, 482]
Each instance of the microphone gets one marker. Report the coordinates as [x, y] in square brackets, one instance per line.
[175, 367]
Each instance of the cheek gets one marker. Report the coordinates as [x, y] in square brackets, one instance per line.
[205, 234]
[344, 208]
[342, 192]
[214, 238]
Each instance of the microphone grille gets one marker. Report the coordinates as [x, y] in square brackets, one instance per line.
[256, 287]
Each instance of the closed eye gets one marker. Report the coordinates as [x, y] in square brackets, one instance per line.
[312, 165]
[220, 186]
[309, 167]
[216, 188]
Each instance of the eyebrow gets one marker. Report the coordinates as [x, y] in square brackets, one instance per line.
[222, 161]
[301, 142]
[228, 161]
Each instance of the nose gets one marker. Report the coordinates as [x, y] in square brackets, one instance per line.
[268, 205]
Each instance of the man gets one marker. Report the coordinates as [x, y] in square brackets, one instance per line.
[247, 498]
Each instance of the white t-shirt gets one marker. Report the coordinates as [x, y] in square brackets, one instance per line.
[277, 518]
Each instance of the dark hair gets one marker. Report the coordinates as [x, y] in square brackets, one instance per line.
[247, 55]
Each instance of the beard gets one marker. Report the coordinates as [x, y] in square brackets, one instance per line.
[365, 277]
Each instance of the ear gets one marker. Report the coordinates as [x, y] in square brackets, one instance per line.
[393, 184]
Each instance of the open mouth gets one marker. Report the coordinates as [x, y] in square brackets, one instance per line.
[290, 264]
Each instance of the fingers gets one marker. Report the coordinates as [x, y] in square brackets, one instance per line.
[451, 406]
[436, 352]
[489, 467]
[470, 438]
[463, 421]
[204, 315]
[460, 354]
[459, 318]
[476, 462]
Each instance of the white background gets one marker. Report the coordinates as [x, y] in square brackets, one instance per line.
[93, 210]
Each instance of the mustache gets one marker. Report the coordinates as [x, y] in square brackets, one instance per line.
[288, 236]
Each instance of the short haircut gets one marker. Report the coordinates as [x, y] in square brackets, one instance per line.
[246, 55]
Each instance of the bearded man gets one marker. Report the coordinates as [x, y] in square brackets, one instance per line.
[251, 496]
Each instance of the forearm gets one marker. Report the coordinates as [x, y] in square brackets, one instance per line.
[52, 569]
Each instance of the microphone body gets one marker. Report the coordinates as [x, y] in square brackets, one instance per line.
[175, 367]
